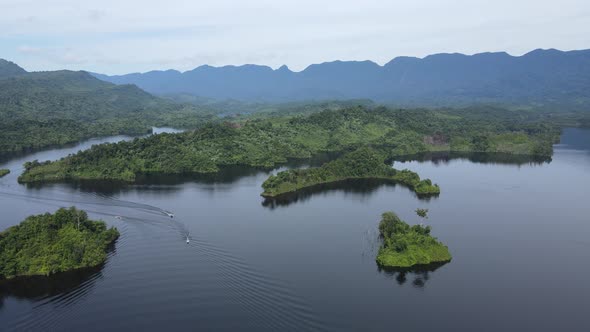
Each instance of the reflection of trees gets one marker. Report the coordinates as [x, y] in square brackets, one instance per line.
[360, 187]
[166, 183]
[39, 287]
[418, 274]
[230, 174]
[439, 158]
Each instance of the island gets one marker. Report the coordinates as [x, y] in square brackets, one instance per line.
[4, 171]
[363, 163]
[46, 244]
[407, 246]
[271, 141]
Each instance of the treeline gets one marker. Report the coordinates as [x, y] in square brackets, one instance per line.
[54, 108]
[50, 243]
[364, 163]
[271, 141]
[406, 246]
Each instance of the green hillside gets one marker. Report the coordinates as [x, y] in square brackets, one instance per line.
[50, 108]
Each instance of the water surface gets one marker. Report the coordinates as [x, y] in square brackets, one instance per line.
[518, 231]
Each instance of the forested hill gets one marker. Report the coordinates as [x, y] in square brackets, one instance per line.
[8, 69]
[47, 108]
[541, 78]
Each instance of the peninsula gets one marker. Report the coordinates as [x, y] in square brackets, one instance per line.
[364, 163]
[272, 141]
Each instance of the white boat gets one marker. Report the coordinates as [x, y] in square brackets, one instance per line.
[187, 240]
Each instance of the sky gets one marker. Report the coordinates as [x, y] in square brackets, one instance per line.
[123, 36]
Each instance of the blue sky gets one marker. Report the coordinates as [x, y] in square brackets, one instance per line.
[123, 36]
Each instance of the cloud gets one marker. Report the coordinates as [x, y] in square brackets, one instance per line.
[116, 36]
[96, 14]
[57, 55]
[28, 50]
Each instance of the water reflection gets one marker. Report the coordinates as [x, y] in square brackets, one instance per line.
[418, 275]
[360, 187]
[575, 139]
[444, 158]
[163, 183]
[249, 275]
[82, 144]
[42, 287]
[167, 183]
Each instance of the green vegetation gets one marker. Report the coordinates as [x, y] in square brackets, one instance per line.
[8, 69]
[407, 246]
[252, 110]
[364, 163]
[49, 243]
[271, 141]
[422, 213]
[4, 171]
[53, 108]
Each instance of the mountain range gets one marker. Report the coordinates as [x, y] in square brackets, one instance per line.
[541, 78]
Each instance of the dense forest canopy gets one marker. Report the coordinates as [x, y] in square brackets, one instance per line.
[52, 108]
[50, 243]
[364, 163]
[406, 246]
[271, 141]
[8, 69]
[41, 109]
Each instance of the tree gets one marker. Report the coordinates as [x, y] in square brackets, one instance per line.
[423, 213]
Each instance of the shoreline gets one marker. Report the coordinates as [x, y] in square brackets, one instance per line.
[384, 180]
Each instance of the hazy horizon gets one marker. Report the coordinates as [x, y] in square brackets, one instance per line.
[302, 69]
[114, 37]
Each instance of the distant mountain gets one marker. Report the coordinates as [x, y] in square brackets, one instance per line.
[539, 78]
[46, 108]
[8, 69]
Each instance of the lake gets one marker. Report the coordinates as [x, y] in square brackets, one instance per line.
[519, 233]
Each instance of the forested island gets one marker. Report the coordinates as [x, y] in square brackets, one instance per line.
[406, 246]
[50, 243]
[4, 171]
[364, 163]
[270, 141]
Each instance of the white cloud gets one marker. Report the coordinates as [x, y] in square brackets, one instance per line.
[117, 36]
[25, 49]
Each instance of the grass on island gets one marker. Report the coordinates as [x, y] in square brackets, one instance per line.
[4, 172]
[364, 163]
[50, 243]
[406, 246]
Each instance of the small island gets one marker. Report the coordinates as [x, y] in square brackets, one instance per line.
[407, 246]
[50, 243]
[4, 171]
[364, 163]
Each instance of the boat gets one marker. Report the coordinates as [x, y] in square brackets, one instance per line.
[187, 240]
[118, 217]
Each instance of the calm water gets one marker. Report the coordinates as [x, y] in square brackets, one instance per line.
[519, 233]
